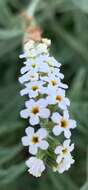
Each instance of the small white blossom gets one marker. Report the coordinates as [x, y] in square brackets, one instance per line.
[30, 54]
[53, 82]
[35, 65]
[53, 62]
[36, 166]
[63, 151]
[28, 46]
[30, 65]
[56, 72]
[64, 124]
[42, 48]
[33, 89]
[35, 110]
[35, 140]
[64, 158]
[29, 76]
[46, 41]
[32, 51]
[65, 164]
[58, 97]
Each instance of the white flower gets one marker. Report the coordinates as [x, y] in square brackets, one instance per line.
[56, 72]
[35, 140]
[42, 48]
[65, 164]
[46, 41]
[58, 97]
[30, 65]
[36, 166]
[53, 62]
[33, 89]
[35, 65]
[35, 110]
[28, 46]
[29, 54]
[63, 151]
[52, 71]
[64, 124]
[64, 157]
[29, 76]
[33, 50]
[53, 82]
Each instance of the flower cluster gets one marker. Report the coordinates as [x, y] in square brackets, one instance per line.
[46, 110]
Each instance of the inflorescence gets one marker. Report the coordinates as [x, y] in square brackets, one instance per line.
[49, 131]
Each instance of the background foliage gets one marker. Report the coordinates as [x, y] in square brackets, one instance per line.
[66, 23]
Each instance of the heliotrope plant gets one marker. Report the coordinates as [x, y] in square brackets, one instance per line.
[49, 131]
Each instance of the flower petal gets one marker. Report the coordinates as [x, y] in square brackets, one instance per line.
[62, 105]
[33, 149]
[59, 158]
[30, 103]
[72, 124]
[67, 101]
[34, 120]
[24, 92]
[30, 161]
[43, 145]
[66, 115]
[24, 113]
[58, 150]
[42, 133]
[44, 113]
[67, 133]
[57, 130]
[67, 143]
[56, 117]
[50, 98]
[25, 141]
[71, 148]
[24, 69]
[42, 103]
[62, 167]
[23, 78]
[29, 131]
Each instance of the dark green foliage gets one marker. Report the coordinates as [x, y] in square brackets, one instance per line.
[66, 23]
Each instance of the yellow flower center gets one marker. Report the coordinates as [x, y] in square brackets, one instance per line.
[58, 98]
[35, 110]
[64, 123]
[35, 139]
[33, 65]
[65, 151]
[54, 82]
[34, 88]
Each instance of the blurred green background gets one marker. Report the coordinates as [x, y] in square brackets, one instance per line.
[65, 22]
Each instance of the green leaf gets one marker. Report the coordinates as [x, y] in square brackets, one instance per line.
[7, 176]
[6, 154]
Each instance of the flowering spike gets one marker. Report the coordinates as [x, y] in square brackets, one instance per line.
[46, 110]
